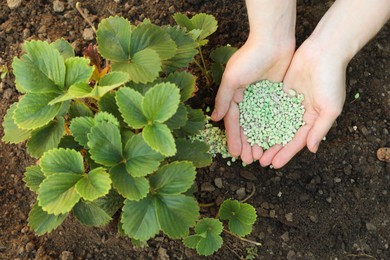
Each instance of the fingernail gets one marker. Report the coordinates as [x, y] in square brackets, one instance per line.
[315, 147]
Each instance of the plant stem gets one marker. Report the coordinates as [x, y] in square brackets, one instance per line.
[206, 205]
[203, 68]
[85, 17]
[242, 239]
[250, 195]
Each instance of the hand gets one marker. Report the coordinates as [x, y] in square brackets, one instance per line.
[320, 76]
[252, 62]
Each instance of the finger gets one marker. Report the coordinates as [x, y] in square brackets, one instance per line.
[269, 154]
[319, 130]
[246, 150]
[257, 152]
[291, 148]
[222, 100]
[233, 132]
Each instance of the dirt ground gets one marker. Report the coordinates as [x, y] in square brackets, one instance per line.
[332, 205]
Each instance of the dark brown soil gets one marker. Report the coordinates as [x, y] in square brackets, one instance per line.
[332, 205]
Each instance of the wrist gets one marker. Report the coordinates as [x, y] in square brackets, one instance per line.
[272, 20]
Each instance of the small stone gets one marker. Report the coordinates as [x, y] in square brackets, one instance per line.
[348, 169]
[58, 6]
[289, 217]
[171, 9]
[241, 193]
[291, 255]
[42, 29]
[248, 175]
[162, 254]
[337, 180]
[30, 247]
[26, 33]
[383, 154]
[364, 131]
[272, 213]
[88, 34]
[370, 227]
[218, 183]
[264, 205]
[7, 93]
[313, 216]
[285, 237]
[207, 187]
[13, 4]
[66, 255]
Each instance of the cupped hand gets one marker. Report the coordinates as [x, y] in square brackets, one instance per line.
[252, 62]
[320, 75]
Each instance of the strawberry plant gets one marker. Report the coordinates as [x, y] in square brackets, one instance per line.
[117, 137]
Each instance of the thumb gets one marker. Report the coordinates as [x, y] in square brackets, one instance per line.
[319, 130]
[222, 100]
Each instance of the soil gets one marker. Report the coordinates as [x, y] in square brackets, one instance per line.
[332, 205]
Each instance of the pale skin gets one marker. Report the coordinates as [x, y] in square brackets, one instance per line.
[317, 69]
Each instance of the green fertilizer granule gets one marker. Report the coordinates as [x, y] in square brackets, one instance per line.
[270, 116]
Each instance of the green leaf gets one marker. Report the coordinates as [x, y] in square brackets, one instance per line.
[105, 144]
[207, 239]
[141, 160]
[139, 219]
[33, 177]
[241, 216]
[143, 67]
[41, 69]
[196, 122]
[108, 104]
[80, 128]
[153, 37]
[179, 119]
[176, 214]
[132, 188]
[204, 22]
[95, 184]
[79, 109]
[193, 151]
[110, 82]
[161, 102]
[222, 54]
[143, 87]
[90, 214]
[217, 72]
[78, 70]
[57, 193]
[110, 203]
[114, 38]
[77, 90]
[42, 222]
[46, 137]
[12, 133]
[33, 110]
[130, 105]
[192, 241]
[68, 141]
[159, 137]
[65, 48]
[186, 50]
[186, 83]
[104, 117]
[64, 161]
[174, 178]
